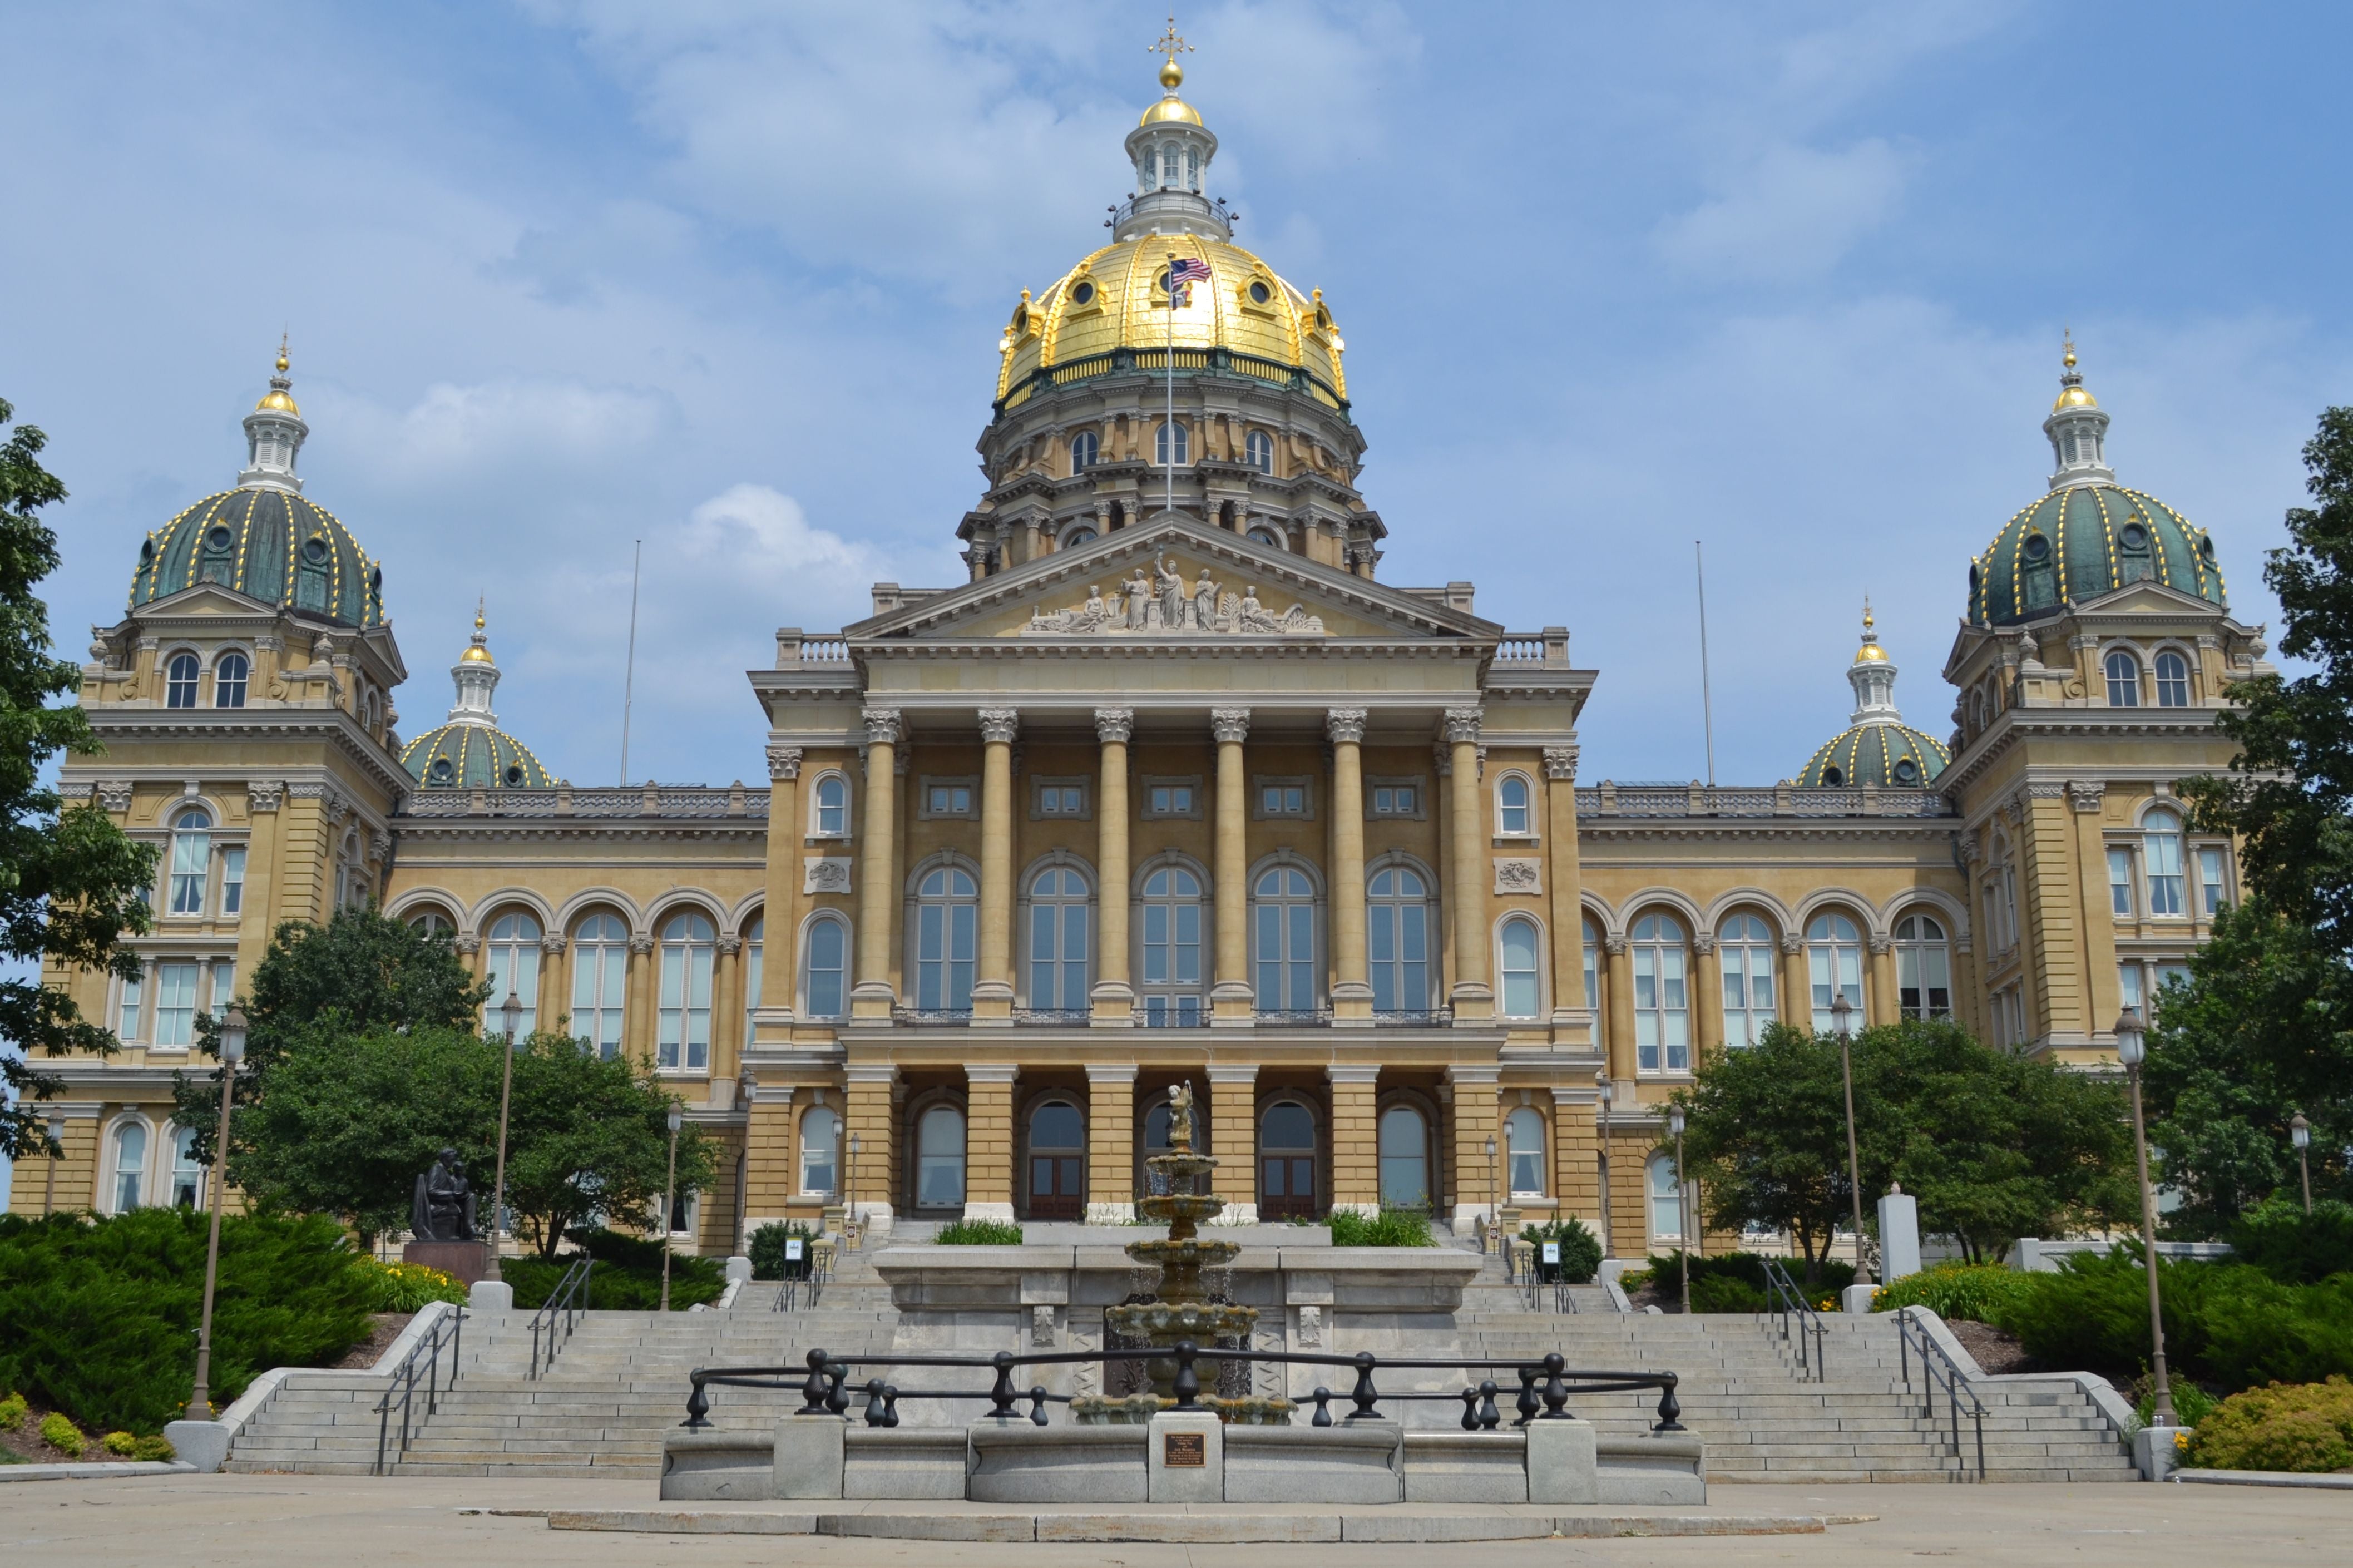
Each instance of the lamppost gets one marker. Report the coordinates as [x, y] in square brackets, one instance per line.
[232, 1051]
[55, 1151]
[511, 1014]
[1682, 1203]
[1603, 1094]
[1843, 1025]
[2131, 1047]
[850, 1197]
[2299, 1132]
[1491, 1242]
[669, 1196]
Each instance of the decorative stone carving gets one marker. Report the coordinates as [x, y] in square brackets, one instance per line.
[1344, 725]
[999, 725]
[1701, 944]
[784, 762]
[466, 942]
[552, 945]
[2045, 789]
[1793, 943]
[1041, 1328]
[1114, 724]
[1229, 724]
[882, 726]
[825, 874]
[114, 794]
[2086, 795]
[1461, 724]
[1162, 605]
[265, 795]
[1310, 1328]
[729, 946]
[641, 944]
[1880, 945]
[1519, 874]
[1560, 764]
[1614, 944]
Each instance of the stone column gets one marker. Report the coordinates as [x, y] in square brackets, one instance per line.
[873, 1121]
[2049, 899]
[878, 896]
[1879, 1006]
[1355, 1136]
[1351, 991]
[1231, 996]
[1111, 1142]
[726, 1010]
[992, 988]
[780, 954]
[1707, 999]
[555, 981]
[1113, 997]
[638, 1003]
[988, 1171]
[1572, 1009]
[2102, 989]
[1479, 1180]
[1233, 1136]
[1797, 983]
[1474, 999]
[1622, 1007]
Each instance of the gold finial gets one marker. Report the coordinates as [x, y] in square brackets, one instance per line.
[483, 599]
[283, 362]
[2068, 338]
[1866, 612]
[479, 651]
[1170, 46]
[1869, 652]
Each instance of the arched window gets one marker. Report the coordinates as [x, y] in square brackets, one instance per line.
[1156, 1125]
[755, 942]
[1073, 538]
[2172, 680]
[600, 979]
[192, 853]
[829, 807]
[939, 1158]
[230, 674]
[683, 1040]
[1834, 966]
[1084, 449]
[1258, 451]
[1160, 445]
[187, 1176]
[1405, 1158]
[311, 575]
[1512, 806]
[2041, 591]
[1059, 940]
[1398, 940]
[1524, 1140]
[433, 925]
[130, 1166]
[820, 1153]
[1744, 951]
[1057, 1161]
[1286, 1162]
[1593, 970]
[511, 964]
[1666, 1200]
[1662, 997]
[1284, 918]
[180, 681]
[1924, 968]
[2161, 849]
[1517, 990]
[946, 909]
[1172, 949]
[1266, 536]
[2124, 681]
[826, 969]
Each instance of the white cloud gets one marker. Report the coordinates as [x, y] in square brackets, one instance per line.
[1792, 213]
[455, 433]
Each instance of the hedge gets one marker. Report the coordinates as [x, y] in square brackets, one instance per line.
[2306, 1427]
[626, 1279]
[1980, 1292]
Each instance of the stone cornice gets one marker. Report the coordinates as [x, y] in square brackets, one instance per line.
[2017, 725]
[331, 725]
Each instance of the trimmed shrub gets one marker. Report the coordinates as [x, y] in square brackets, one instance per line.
[11, 1413]
[2306, 1427]
[1581, 1250]
[1390, 1227]
[1722, 1293]
[2192, 1403]
[63, 1435]
[119, 1443]
[626, 1279]
[155, 1450]
[767, 1250]
[1978, 1293]
[2292, 1247]
[1666, 1276]
[978, 1233]
[407, 1286]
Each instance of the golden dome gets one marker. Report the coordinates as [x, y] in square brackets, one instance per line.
[479, 652]
[281, 401]
[1869, 652]
[2071, 382]
[1108, 302]
[1168, 108]
[280, 398]
[475, 656]
[2073, 397]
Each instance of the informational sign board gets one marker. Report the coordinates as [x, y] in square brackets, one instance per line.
[792, 1251]
[1552, 1252]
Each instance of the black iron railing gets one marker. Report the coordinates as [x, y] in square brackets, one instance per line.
[402, 1395]
[1792, 1314]
[1544, 1285]
[558, 1314]
[827, 1384]
[1937, 1367]
[801, 1287]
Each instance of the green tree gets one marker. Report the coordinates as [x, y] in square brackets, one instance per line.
[591, 1136]
[1765, 1135]
[72, 885]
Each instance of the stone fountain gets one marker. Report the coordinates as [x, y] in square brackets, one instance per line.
[1178, 1310]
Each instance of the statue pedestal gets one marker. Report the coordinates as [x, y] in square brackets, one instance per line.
[468, 1261]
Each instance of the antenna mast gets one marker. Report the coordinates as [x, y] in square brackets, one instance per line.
[1706, 700]
[629, 680]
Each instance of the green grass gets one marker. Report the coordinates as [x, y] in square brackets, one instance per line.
[1390, 1227]
[978, 1233]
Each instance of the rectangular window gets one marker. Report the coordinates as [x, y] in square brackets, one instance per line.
[1062, 798]
[2128, 988]
[1172, 797]
[224, 985]
[1397, 800]
[2210, 879]
[126, 1020]
[189, 852]
[232, 880]
[2167, 975]
[2120, 881]
[176, 1005]
[1283, 797]
[948, 797]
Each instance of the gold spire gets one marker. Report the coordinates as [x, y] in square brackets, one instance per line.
[1869, 652]
[280, 398]
[2071, 379]
[1172, 76]
[478, 651]
[284, 364]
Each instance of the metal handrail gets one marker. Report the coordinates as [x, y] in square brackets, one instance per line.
[1786, 1302]
[402, 1389]
[1956, 1384]
[818, 1275]
[825, 1389]
[566, 1302]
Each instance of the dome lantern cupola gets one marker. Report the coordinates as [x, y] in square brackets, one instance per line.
[274, 433]
[1171, 150]
[469, 751]
[2078, 430]
[1877, 747]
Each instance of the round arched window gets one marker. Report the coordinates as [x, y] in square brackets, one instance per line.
[1259, 292]
[1084, 294]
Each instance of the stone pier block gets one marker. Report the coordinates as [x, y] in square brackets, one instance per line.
[809, 1452]
[1186, 1457]
[1563, 1462]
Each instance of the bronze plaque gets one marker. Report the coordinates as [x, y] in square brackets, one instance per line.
[1184, 1451]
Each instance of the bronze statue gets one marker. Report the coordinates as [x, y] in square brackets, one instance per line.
[443, 1209]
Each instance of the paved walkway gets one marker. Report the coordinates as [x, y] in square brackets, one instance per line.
[297, 1521]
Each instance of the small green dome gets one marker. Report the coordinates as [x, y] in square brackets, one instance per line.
[269, 544]
[2082, 542]
[1893, 756]
[473, 755]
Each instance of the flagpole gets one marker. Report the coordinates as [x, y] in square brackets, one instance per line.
[1170, 503]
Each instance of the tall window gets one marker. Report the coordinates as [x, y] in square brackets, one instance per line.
[1661, 1003]
[1058, 940]
[1512, 806]
[2161, 846]
[232, 894]
[831, 812]
[600, 978]
[1745, 953]
[511, 964]
[176, 1005]
[187, 1176]
[1404, 1142]
[820, 1153]
[191, 850]
[2120, 881]
[1286, 1162]
[126, 1020]
[130, 1165]
[230, 674]
[2124, 681]
[1258, 451]
[1285, 955]
[1172, 949]
[1666, 1200]
[2212, 891]
[1398, 939]
[2172, 680]
[1924, 968]
[180, 681]
[939, 1158]
[1516, 968]
[223, 985]
[1524, 1135]
[1160, 445]
[1834, 966]
[1084, 447]
[1057, 1161]
[945, 909]
[756, 942]
[1593, 968]
[827, 967]
[683, 1040]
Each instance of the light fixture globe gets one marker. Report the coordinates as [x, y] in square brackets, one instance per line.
[2132, 1040]
[511, 1014]
[232, 1037]
[1676, 1120]
[2299, 1132]
[676, 1116]
[1842, 1016]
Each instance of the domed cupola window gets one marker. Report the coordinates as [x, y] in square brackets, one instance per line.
[219, 559]
[2039, 572]
[310, 577]
[2132, 553]
[442, 772]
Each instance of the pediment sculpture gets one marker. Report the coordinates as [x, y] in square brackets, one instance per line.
[1162, 603]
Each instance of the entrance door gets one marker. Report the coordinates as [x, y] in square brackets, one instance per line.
[1057, 1161]
[1286, 1163]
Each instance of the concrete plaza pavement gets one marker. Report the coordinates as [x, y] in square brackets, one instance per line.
[299, 1521]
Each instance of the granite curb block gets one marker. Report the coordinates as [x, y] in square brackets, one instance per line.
[2334, 1482]
[93, 1472]
[1206, 1528]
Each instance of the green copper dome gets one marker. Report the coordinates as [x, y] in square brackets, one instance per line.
[1893, 756]
[2082, 542]
[269, 544]
[471, 755]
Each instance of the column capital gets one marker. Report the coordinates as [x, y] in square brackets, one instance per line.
[1114, 724]
[1344, 725]
[991, 1072]
[784, 762]
[1560, 764]
[882, 726]
[1477, 1075]
[729, 946]
[1615, 943]
[1232, 1072]
[1110, 1072]
[1353, 1072]
[553, 945]
[1880, 945]
[999, 725]
[261, 794]
[1230, 723]
[1702, 943]
[1462, 724]
[641, 945]
[2086, 795]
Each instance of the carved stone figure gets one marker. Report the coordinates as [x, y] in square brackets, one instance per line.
[443, 1209]
[1173, 602]
[1139, 601]
[1205, 603]
[1180, 1116]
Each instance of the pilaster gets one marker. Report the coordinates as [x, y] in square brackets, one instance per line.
[1478, 1177]
[1473, 998]
[1233, 1133]
[878, 896]
[992, 990]
[1355, 1136]
[2104, 994]
[1351, 991]
[1111, 1142]
[1572, 1009]
[988, 1176]
[1113, 997]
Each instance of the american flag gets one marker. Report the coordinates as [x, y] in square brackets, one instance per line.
[1183, 272]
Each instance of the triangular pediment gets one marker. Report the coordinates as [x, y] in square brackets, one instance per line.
[203, 599]
[2147, 596]
[1172, 579]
